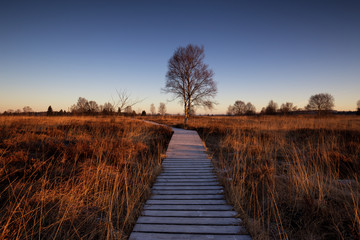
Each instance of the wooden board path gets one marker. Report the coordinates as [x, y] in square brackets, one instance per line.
[187, 200]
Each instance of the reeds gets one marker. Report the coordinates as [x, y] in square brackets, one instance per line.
[290, 177]
[76, 177]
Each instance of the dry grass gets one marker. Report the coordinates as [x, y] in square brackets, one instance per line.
[290, 177]
[75, 177]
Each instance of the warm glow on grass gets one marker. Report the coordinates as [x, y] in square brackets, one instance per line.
[76, 177]
[294, 177]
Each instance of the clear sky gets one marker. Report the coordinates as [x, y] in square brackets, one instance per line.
[53, 52]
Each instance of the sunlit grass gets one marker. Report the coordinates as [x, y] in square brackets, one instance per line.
[290, 177]
[76, 177]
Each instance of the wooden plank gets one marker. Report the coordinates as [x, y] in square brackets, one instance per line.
[189, 197]
[212, 183]
[190, 220]
[172, 170]
[186, 192]
[188, 172]
[189, 175]
[165, 213]
[187, 187]
[187, 200]
[188, 169]
[183, 168]
[171, 236]
[163, 179]
[186, 177]
[184, 202]
[210, 174]
[198, 207]
[189, 162]
[188, 165]
[168, 228]
[186, 159]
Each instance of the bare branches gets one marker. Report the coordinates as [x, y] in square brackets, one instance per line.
[125, 101]
[189, 79]
[240, 108]
[322, 102]
[162, 109]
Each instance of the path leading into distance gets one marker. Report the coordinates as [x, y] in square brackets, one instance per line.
[187, 200]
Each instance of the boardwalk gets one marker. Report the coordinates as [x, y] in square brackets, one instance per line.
[187, 201]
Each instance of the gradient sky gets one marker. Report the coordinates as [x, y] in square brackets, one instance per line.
[53, 52]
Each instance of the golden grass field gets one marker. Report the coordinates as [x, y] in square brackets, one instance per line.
[76, 177]
[290, 177]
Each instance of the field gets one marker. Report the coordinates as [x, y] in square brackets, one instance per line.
[76, 177]
[290, 177]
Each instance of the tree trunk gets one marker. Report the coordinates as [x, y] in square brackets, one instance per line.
[186, 114]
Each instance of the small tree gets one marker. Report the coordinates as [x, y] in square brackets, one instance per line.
[27, 109]
[271, 108]
[287, 107]
[82, 105]
[143, 113]
[49, 111]
[128, 110]
[124, 101]
[189, 79]
[322, 103]
[230, 110]
[93, 107]
[162, 109]
[108, 108]
[152, 109]
[239, 108]
[358, 107]
[250, 109]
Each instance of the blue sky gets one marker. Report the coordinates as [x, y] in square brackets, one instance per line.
[52, 52]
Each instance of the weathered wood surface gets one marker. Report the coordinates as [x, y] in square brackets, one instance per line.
[187, 200]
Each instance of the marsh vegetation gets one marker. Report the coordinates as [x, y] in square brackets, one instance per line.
[76, 177]
[290, 177]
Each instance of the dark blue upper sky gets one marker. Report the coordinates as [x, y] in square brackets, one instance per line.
[51, 52]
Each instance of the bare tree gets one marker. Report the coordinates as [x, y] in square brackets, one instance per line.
[152, 109]
[128, 110]
[162, 109]
[189, 79]
[93, 107]
[124, 100]
[27, 109]
[230, 110]
[108, 108]
[250, 109]
[322, 102]
[287, 107]
[82, 105]
[271, 107]
[239, 108]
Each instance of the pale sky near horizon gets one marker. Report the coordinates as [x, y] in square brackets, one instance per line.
[53, 52]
